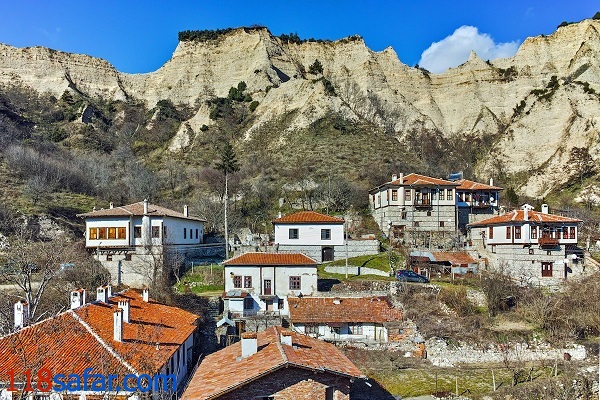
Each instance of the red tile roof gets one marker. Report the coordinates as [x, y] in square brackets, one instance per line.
[271, 259]
[137, 209]
[308, 217]
[83, 338]
[453, 257]
[514, 216]
[416, 179]
[225, 370]
[349, 309]
[466, 184]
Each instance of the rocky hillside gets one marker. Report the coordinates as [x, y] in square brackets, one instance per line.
[517, 119]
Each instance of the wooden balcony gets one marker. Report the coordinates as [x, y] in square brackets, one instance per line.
[422, 203]
[548, 241]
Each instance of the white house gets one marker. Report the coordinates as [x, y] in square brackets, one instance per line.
[314, 234]
[363, 319]
[261, 282]
[532, 247]
[475, 202]
[128, 239]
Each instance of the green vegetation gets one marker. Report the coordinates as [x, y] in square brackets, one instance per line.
[342, 277]
[379, 261]
[315, 68]
[205, 279]
[211, 34]
[547, 92]
[508, 74]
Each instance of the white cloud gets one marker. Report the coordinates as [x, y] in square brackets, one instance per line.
[456, 48]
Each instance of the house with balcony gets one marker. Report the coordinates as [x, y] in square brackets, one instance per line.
[121, 334]
[260, 283]
[131, 240]
[319, 236]
[532, 247]
[475, 202]
[348, 319]
[418, 209]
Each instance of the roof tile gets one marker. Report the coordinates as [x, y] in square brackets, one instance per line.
[518, 216]
[306, 217]
[271, 259]
[346, 309]
[137, 209]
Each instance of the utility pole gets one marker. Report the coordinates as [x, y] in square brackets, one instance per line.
[346, 243]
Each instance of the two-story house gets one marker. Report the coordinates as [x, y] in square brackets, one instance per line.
[533, 247]
[127, 334]
[131, 240]
[259, 283]
[417, 208]
[316, 235]
[475, 202]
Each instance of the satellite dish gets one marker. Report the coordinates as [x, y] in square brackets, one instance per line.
[492, 199]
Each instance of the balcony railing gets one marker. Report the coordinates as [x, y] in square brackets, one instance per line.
[548, 241]
[422, 203]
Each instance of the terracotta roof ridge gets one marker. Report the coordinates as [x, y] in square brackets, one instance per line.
[281, 349]
[126, 210]
[102, 342]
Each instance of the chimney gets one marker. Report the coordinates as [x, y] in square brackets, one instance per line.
[108, 291]
[185, 210]
[544, 208]
[77, 298]
[401, 178]
[102, 294]
[94, 209]
[112, 205]
[145, 206]
[21, 314]
[526, 213]
[249, 344]
[337, 300]
[279, 214]
[394, 177]
[118, 325]
[124, 305]
[491, 181]
[145, 295]
[286, 337]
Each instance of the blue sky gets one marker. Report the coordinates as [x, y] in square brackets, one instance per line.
[139, 36]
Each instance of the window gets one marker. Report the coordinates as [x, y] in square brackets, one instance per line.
[112, 233]
[311, 329]
[508, 232]
[196, 233]
[403, 214]
[517, 232]
[325, 234]
[102, 233]
[248, 303]
[237, 281]
[441, 224]
[156, 231]
[294, 283]
[109, 257]
[394, 195]
[247, 281]
[416, 223]
[534, 232]
[449, 194]
[572, 230]
[493, 248]
[491, 232]
[137, 232]
[546, 269]
[531, 250]
[293, 233]
[93, 234]
[185, 233]
[407, 194]
[127, 257]
[429, 213]
[355, 329]
[434, 194]
[280, 304]
[121, 233]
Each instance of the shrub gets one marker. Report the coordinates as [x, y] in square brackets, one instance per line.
[316, 68]
[253, 106]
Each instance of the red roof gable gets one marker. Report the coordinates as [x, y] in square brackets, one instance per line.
[466, 184]
[225, 370]
[453, 257]
[346, 309]
[271, 259]
[511, 217]
[137, 209]
[83, 338]
[308, 217]
[416, 179]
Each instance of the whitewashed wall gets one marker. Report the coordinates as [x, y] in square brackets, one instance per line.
[309, 234]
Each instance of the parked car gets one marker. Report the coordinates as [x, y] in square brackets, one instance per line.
[405, 275]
